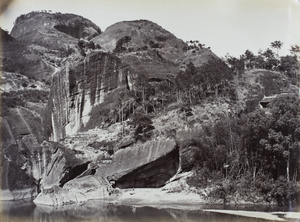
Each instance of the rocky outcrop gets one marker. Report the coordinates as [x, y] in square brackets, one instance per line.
[144, 165]
[76, 191]
[28, 168]
[150, 164]
[152, 175]
[143, 34]
[33, 23]
[50, 38]
[77, 89]
[17, 57]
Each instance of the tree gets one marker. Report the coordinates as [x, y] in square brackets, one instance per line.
[249, 59]
[260, 62]
[277, 45]
[289, 64]
[282, 141]
[121, 115]
[183, 82]
[144, 127]
[295, 50]
[270, 61]
[164, 89]
[143, 91]
[238, 65]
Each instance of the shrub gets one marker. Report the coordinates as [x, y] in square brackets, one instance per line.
[187, 110]
[285, 193]
[144, 127]
[161, 38]
[91, 45]
[121, 42]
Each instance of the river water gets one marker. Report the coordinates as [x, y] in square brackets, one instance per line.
[15, 211]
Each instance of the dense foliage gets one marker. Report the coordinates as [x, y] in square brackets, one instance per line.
[260, 147]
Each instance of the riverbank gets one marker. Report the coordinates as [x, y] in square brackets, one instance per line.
[158, 196]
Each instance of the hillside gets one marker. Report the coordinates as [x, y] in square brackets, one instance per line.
[88, 114]
[54, 36]
[36, 22]
[143, 34]
[18, 57]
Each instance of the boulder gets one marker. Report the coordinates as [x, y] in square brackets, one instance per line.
[75, 191]
[188, 157]
[150, 164]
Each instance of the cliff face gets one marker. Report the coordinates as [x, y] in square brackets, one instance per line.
[78, 88]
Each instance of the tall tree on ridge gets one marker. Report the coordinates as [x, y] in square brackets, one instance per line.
[277, 45]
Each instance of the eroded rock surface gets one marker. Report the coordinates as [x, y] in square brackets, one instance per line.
[150, 164]
[76, 191]
[78, 88]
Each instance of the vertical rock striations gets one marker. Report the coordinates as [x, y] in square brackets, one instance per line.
[78, 88]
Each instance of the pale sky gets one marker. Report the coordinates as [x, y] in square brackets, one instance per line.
[227, 26]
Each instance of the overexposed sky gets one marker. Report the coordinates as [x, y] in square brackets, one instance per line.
[227, 26]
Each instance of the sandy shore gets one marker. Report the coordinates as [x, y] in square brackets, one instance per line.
[158, 196]
[161, 198]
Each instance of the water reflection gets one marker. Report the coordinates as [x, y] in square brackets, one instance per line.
[103, 211]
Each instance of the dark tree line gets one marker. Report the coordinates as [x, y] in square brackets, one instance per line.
[267, 59]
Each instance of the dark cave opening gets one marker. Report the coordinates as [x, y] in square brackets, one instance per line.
[73, 173]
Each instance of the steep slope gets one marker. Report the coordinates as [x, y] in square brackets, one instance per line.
[197, 56]
[88, 93]
[54, 36]
[151, 50]
[140, 35]
[17, 57]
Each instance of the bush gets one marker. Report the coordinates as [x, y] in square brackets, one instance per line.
[223, 191]
[91, 45]
[144, 127]
[121, 42]
[161, 38]
[285, 193]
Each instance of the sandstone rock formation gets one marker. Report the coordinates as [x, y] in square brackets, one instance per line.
[143, 34]
[150, 164]
[77, 89]
[53, 29]
[75, 191]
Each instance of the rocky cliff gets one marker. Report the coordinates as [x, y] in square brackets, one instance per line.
[119, 115]
[80, 87]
